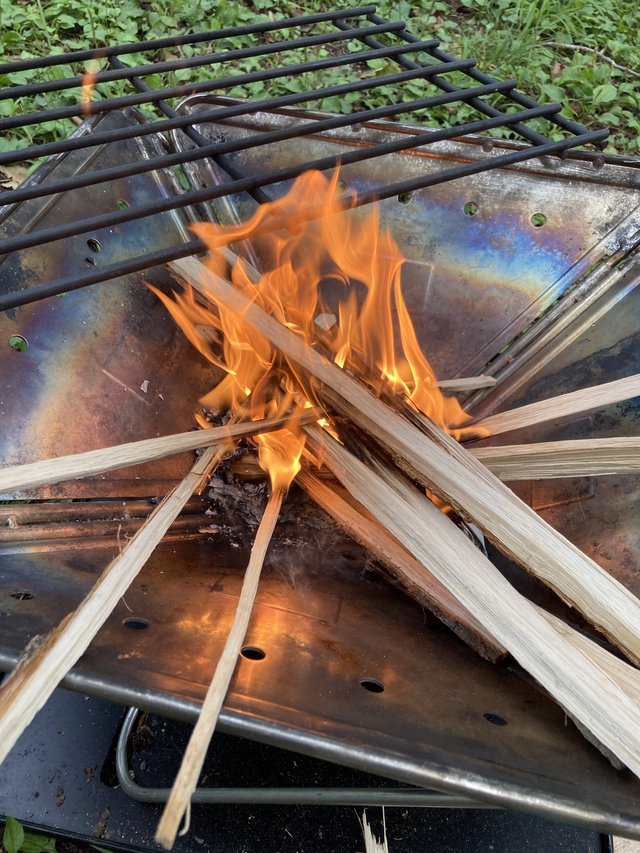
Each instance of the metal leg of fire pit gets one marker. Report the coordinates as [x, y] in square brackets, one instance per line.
[60, 780]
[308, 796]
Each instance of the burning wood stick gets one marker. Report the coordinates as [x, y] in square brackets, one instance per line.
[563, 406]
[78, 465]
[595, 688]
[551, 459]
[39, 672]
[413, 575]
[594, 457]
[446, 468]
[187, 778]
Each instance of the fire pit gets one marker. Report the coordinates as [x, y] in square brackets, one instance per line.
[523, 267]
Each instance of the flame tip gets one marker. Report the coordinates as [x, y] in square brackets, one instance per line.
[339, 246]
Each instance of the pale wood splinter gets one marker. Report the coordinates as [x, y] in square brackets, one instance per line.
[187, 778]
[78, 465]
[565, 405]
[595, 457]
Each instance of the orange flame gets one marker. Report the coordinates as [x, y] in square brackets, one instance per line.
[88, 84]
[343, 250]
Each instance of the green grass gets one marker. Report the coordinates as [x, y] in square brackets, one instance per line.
[558, 50]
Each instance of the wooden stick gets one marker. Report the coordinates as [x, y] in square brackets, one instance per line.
[565, 405]
[599, 693]
[446, 468]
[38, 674]
[470, 383]
[627, 677]
[594, 457]
[371, 843]
[413, 575]
[78, 465]
[193, 759]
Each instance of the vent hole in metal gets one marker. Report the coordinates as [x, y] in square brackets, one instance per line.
[538, 220]
[470, 208]
[22, 595]
[18, 343]
[372, 685]
[253, 653]
[495, 719]
[404, 198]
[122, 204]
[135, 623]
[94, 245]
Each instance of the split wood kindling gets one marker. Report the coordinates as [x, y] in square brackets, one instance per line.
[586, 680]
[448, 470]
[186, 781]
[391, 516]
[379, 504]
[79, 465]
[413, 575]
[42, 668]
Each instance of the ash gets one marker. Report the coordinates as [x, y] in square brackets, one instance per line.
[238, 503]
[307, 543]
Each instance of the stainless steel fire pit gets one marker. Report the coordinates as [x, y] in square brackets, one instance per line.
[519, 263]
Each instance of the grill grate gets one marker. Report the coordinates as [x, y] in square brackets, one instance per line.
[356, 43]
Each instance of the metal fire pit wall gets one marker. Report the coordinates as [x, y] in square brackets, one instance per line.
[522, 269]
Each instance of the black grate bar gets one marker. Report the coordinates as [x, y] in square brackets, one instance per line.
[109, 104]
[164, 256]
[165, 205]
[28, 295]
[180, 122]
[178, 41]
[208, 149]
[126, 73]
[526, 132]
[220, 159]
[481, 77]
